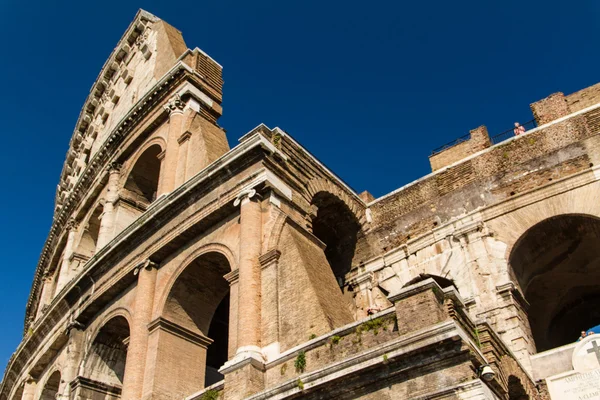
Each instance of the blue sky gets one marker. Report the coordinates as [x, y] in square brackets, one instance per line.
[370, 88]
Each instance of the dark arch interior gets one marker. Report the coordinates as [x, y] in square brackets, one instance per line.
[199, 301]
[142, 182]
[216, 354]
[556, 264]
[51, 387]
[106, 359]
[337, 227]
[516, 391]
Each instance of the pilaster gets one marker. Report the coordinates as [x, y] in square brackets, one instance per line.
[64, 275]
[270, 302]
[108, 216]
[174, 108]
[138, 342]
[29, 389]
[74, 348]
[244, 374]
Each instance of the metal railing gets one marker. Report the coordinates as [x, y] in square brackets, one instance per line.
[501, 137]
[451, 144]
[494, 139]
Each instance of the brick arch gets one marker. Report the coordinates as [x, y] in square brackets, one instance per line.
[518, 218]
[510, 368]
[528, 225]
[115, 312]
[132, 160]
[318, 185]
[276, 230]
[208, 248]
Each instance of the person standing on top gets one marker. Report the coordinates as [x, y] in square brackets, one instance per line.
[519, 129]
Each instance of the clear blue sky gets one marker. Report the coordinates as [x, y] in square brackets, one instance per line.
[370, 88]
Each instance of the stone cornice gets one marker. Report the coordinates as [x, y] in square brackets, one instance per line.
[97, 165]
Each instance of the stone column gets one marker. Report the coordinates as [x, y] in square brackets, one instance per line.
[175, 108]
[29, 389]
[108, 215]
[138, 339]
[64, 275]
[249, 272]
[46, 296]
[74, 349]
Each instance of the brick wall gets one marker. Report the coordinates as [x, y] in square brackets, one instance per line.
[479, 140]
[584, 98]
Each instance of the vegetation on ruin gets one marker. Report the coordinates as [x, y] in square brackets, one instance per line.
[300, 362]
[211, 394]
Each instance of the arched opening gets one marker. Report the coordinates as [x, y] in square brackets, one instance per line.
[199, 302]
[337, 227]
[106, 357]
[89, 238]
[516, 391]
[556, 264]
[50, 390]
[142, 182]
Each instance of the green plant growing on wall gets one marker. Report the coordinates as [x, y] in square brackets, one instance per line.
[312, 336]
[277, 140]
[335, 340]
[476, 332]
[300, 384]
[283, 369]
[300, 362]
[210, 395]
[385, 359]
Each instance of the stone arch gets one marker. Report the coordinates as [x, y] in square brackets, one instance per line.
[51, 386]
[18, 394]
[113, 313]
[207, 248]
[197, 302]
[556, 266]
[511, 225]
[335, 224]
[90, 231]
[106, 355]
[318, 185]
[276, 229]
[143, 174]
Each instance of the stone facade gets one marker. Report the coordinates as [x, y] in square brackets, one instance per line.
[178, 268]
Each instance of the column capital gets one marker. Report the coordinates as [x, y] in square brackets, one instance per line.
[175, 105]
[244, 196]
[74, 325]
[147, 265]
[114, 167]
[72, 224]
[269, 258]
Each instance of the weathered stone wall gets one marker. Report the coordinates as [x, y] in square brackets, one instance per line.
[478, 140]
[584, 98]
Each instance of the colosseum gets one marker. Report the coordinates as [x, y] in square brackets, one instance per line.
[180, 268]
